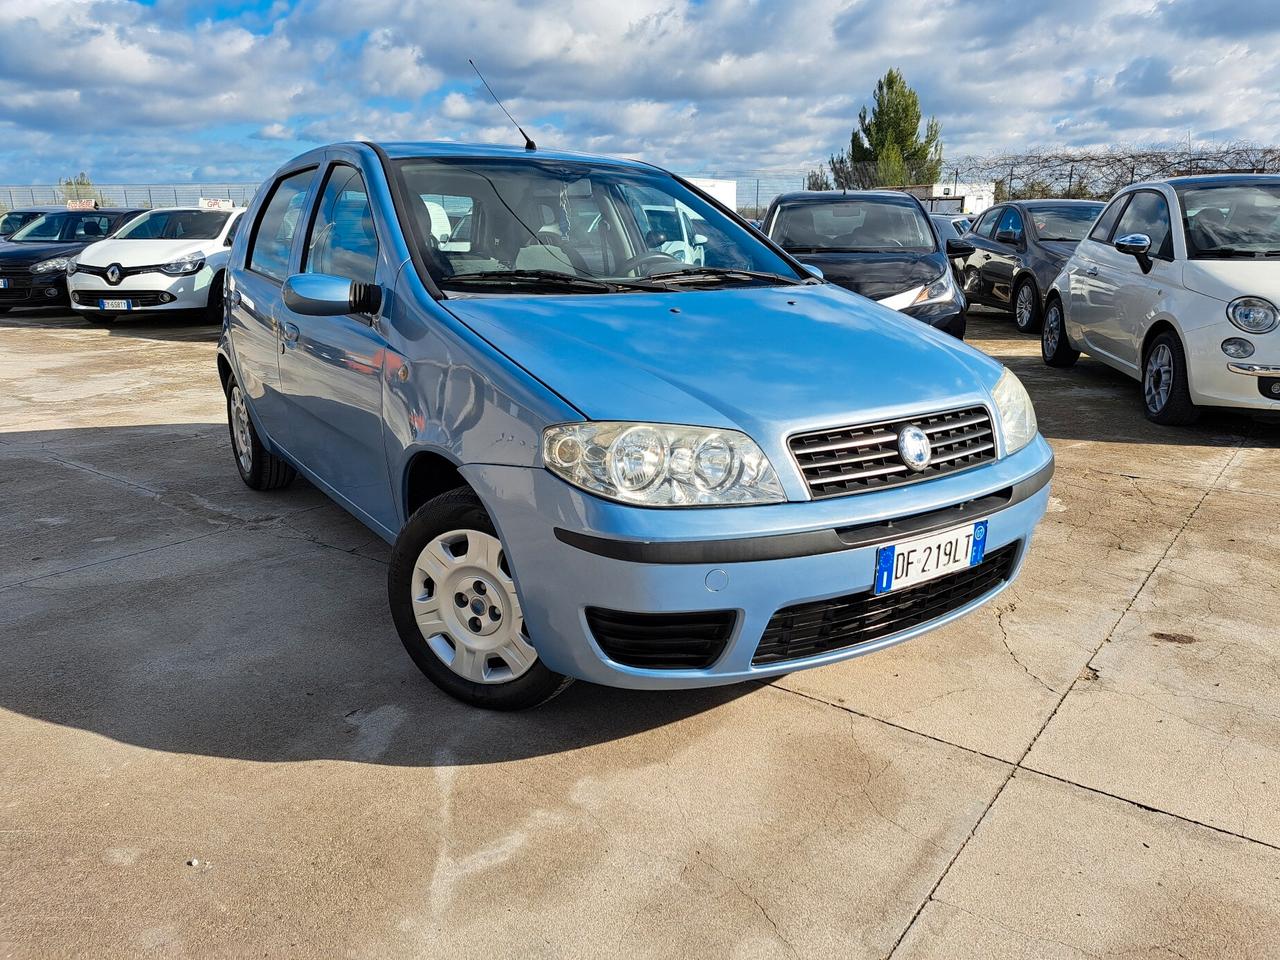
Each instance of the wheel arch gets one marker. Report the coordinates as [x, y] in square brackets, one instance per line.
[1153, 331]
[428, 473]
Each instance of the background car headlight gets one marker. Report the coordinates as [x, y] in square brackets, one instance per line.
[177, 268]
[939, 291]
[661, 465]
[49, 266]
[1253, 314]
[1017, 415]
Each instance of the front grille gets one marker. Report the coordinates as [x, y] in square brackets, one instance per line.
[857, 459]
[662, 641]
[136, 298]
[14, 293]
[809, 629]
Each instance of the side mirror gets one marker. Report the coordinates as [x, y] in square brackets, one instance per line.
[1138, 246]
[1007, 236]
[320, 295]
[814, 271]
[699, 239]
[956, 247]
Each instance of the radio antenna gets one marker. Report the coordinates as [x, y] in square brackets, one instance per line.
[528, 141]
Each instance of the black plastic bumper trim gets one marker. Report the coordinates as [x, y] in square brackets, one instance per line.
[788, 545]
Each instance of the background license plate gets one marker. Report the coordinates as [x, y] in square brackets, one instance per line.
[932, 555]
[113, 304]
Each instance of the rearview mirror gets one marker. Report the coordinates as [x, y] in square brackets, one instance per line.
[957, 247]
[1138, 246]
[320, 295]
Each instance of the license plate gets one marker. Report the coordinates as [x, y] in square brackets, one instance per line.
[115, 305]
[933, 555]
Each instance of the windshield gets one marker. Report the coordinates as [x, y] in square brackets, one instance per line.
[1231, 220]
[1065, 221]
[508, 225]
[853, 224]
[175, 225]
[64, 228]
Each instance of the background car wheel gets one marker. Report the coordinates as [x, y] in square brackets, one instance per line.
[972, 281]
[1165, 390]
[455, 607]
[1026, 307]
[259, 469]
[1055, 349]
[213, 312]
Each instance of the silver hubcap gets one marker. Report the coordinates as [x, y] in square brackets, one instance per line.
[1159, 379]
[1024, 306]
[466, 606]
[1052, 330]
[240, 430]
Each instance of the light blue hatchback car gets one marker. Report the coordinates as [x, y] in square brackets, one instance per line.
[606, 452]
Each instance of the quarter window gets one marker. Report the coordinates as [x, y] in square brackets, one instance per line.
[1148, 213]
[272, 243]
[1102, 229]
[343, 241]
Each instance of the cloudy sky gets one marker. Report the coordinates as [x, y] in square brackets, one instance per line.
[179, 90]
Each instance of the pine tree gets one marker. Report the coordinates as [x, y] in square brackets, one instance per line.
[887, 149]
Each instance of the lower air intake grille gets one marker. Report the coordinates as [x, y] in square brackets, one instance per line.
[661, 641]
[136, 298]
[809, 629]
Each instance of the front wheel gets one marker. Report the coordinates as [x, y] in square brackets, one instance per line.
[454, 602]
[1055, 348]
[1165, 388]
[1026, 308]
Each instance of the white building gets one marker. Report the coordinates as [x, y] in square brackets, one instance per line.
[955, 196]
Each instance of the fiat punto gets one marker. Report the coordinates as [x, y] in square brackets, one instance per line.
[594, 459]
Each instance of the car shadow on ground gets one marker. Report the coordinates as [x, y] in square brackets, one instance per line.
[192, 327]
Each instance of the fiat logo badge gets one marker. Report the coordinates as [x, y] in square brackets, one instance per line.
[914, 446]
[113, 273]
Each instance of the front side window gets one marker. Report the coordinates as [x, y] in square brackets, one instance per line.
[1231, 220]
[1148, 213]
[1065, 221]
[986, 225]
[1011, 222]
[853, 224]
[272, 243]
[175, 225]
[343, 242]
[1102, 229]
[64, 227]
[508, 225]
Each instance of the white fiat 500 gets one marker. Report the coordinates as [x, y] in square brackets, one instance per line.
[170, 258]
[1177, 286]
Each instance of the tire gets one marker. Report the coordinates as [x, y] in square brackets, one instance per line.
[455, 607]
[1166, 392]
[259, 469]
[213, 311]
[1055, 348]
[1026, 307]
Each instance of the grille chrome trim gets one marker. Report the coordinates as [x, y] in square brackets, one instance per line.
[856, 459]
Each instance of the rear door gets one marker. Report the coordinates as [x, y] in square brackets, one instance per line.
[253, 289]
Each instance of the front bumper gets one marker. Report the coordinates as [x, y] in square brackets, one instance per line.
[26, 289]
[143, 290]
[570, 552]
[949, 316]
[1216, 380]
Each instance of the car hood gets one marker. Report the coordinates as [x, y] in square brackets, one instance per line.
[1227, 279]
[25, 254]
[140, 253]
[765, 360]
[878, 274]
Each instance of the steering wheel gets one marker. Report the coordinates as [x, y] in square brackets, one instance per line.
[654, 257]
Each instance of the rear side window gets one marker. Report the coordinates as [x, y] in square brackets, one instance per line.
[1102, 229]
[272, 242]
[1148, 213]
[342, 241]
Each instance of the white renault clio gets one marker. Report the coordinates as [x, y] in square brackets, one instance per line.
[1177, 285]
[170, 258]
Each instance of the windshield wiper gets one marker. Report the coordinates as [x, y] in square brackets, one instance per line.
[1238, 252]
[716, 273]
[550, 278]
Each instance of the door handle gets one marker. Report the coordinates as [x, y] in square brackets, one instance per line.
[986, 256]
[233, 297]
[290, 332]
[1091, 272]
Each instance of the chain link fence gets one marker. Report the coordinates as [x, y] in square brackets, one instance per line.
[124, 194]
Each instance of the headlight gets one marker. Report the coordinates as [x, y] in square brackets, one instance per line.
[49, 266]
[661, 465]
[1017, 415]
[177, 268]
[941, 290]
[1253, 314]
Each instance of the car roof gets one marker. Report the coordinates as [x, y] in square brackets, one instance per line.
[1220, 179]
[400, 150]
[1050, 201]
[35, 209]
[195, 210]
[807, 196]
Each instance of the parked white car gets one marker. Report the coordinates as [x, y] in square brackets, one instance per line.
[170, 258]
[1177, 286]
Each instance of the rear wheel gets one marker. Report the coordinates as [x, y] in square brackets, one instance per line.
[1055, 349]
[259, 469]
[455, 606]
[1026, 307]
[213, 312]
[1165, 388]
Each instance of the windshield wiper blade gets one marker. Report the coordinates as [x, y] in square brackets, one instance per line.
[549, 278]
[715, 273]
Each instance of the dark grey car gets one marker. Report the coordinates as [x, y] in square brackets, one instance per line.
[1018, 249]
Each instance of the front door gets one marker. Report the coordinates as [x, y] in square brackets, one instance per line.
[985, 248]
[331, 368]
[1005, 247]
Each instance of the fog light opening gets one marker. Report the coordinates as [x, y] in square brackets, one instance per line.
[51, 292]
[168, 298]
[1237, 348]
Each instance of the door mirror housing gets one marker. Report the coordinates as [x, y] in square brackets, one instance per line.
[1008, 236]
[699, 239]
[814, 271]
[958, 247]
[321, 295]
[1138, 246]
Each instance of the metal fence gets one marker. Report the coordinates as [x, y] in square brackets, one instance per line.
[125, 194]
